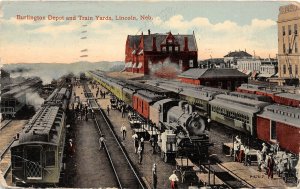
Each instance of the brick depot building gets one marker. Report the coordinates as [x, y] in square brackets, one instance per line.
[224, 78]
[143, 52]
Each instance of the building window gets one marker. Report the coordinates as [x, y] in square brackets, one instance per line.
[283, 30]
[296, 29]
[296, 69]
[284, 48]
[176, 48]
[284, 69]
[164, 49]
[290, 49]
[273, 135]
[290, 30]
[180, 64]
[191, 63]
[290, 69]
[296, 47]
[170, 48]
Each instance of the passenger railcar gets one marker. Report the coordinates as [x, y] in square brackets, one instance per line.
[280, 124]
[59, 97]
[287, 99]
[37, 154]
[127, 94]
[251, 96]
[237, 113]
[142, 100]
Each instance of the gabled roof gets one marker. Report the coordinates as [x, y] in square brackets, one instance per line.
[161, 39]
[196, 73]
[238, 54]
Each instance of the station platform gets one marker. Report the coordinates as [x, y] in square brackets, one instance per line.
[253, 177]
[90, 165]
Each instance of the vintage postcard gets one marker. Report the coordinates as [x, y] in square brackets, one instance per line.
[150, 94]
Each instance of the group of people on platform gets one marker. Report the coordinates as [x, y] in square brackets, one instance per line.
[268, 159]
[241, 154]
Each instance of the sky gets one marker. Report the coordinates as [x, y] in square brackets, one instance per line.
[219, 27]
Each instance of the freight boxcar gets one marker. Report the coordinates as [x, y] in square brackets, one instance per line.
[280, 124]
[288, 99]
[142, 101]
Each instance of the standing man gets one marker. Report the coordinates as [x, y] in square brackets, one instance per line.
[153, 143]
[123, 131]
[174, 179]
[208, 123]
[270, 166]
[142, 144]
[107, 110]
[154, 176]
[140, 153]
[101, 142]
[136, 142]
[123, 111]
[264, 151]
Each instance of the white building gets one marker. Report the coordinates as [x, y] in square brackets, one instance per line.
[248, 65]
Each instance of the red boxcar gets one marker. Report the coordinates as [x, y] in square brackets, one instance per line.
[268, 93]
[278, 123]
[142, 101]
[288, 99]
[248, 88]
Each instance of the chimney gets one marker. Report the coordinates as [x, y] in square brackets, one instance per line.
[154, 44]
[149, 32]
[186, 45]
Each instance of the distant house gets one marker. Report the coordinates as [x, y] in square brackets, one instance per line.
[231, 58]
[212, 63]
[268, 69]
[147, 53]
[224, 78]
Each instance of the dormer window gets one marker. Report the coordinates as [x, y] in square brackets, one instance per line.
[170, 40]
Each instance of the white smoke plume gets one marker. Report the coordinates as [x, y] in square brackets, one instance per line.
[166, 69]
[48, 71]
[34, 100]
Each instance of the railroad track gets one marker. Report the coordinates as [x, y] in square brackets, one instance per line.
[126, 175]
[5, 159]
[230, 180]
[5, 123]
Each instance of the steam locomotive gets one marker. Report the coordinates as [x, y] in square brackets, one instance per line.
[38, 151]
[178, 128]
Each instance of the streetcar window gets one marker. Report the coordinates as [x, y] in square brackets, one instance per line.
[50, 158]
[17, 158]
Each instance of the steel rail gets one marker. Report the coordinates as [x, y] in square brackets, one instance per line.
[119, 144]
[7, 123]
